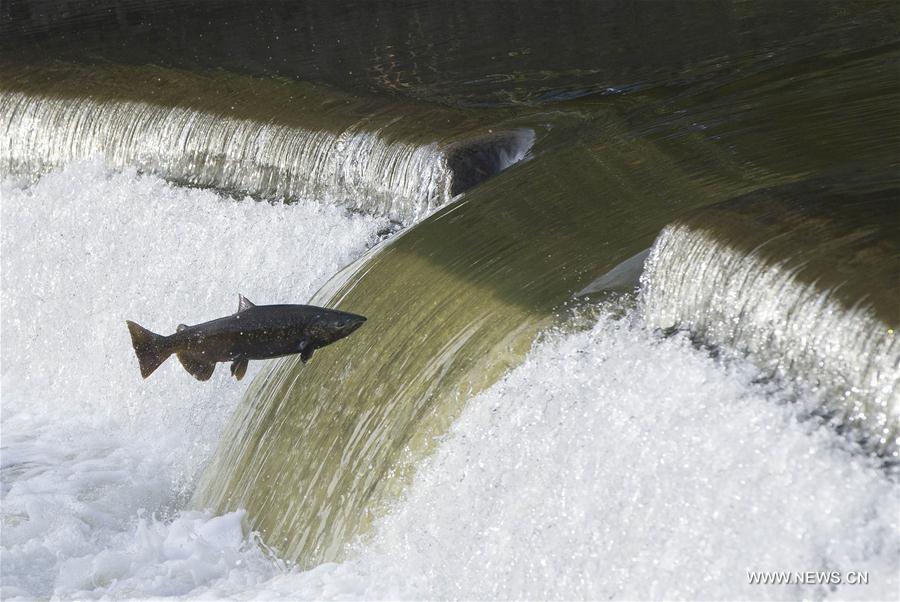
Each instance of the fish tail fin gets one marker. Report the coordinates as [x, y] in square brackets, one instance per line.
[150, 348]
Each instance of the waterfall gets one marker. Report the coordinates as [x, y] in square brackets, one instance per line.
[308, 146]
[787, 276]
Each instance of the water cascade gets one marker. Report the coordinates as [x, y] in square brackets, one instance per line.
[787, 275]
[301, 141]
[740, 157]
[316, 452]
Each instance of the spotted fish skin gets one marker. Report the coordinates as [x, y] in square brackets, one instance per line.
[254, 332]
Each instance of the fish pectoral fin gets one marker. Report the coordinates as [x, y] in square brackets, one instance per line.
[198, 367]
[239, 368]
[244, 303]
[306, 351]
[181, 327]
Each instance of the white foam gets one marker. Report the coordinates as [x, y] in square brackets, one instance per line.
[801, 333]
[615, 465]
[87, 444]
[611, 464]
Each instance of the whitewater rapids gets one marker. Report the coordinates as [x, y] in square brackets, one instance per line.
[613, 463]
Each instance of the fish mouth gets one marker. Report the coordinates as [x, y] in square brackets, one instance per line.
[351, 322]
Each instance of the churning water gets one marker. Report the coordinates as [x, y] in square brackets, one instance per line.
[612, 463]
[489, 433]
[88, 446]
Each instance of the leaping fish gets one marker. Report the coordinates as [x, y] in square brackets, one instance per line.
[255, 332]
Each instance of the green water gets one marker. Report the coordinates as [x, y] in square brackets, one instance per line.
[268, 138]
[469, 52]
[803, 278]
[317, 451]
[642, 112]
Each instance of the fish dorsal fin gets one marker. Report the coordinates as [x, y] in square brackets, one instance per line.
[199, 368]
[239, 368]
[181, 327]
[244, 303]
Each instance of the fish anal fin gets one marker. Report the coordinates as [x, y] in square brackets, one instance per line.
[199, 368]
[239, 367]
[244, 303]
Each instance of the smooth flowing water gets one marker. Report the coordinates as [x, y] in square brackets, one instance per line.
[273, 140]
[462, 295]
[819, 260]
[630, 278]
